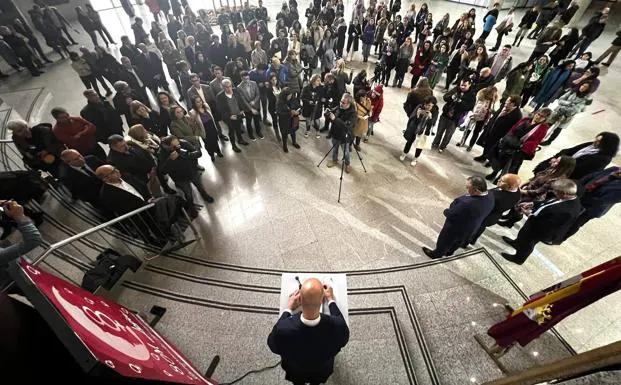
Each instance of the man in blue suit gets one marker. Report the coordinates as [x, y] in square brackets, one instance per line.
[463, 218]
[602, 190]
[309, 341]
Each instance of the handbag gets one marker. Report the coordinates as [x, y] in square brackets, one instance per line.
[509, 144]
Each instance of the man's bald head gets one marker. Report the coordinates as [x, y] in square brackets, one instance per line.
[72, 158]
[103, 170]
[108, 173]
[311, 294]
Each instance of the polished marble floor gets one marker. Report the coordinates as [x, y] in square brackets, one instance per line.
[278, 212]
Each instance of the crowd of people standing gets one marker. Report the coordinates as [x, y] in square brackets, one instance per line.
[249, 78]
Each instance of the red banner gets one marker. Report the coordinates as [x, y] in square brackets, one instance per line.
[548, 307]
[114, 335]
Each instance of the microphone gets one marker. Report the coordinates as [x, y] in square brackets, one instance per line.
[300, 283]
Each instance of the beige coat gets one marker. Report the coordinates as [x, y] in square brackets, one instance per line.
[363, 110]
[188, 129]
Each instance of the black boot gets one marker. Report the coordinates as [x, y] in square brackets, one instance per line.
[491, 176]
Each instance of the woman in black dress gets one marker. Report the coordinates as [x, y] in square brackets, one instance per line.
[149, 119]
[273, 93]
[287, 118]
[202, 113]
[165, 103]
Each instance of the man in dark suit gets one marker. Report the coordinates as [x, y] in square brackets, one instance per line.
[132, 161]
[602, 190]
[463, 218]
[230, 104]
[498, 126]
[506, 196]
[77, 173]
[150, 69]
[128, 49]
[121, 195]
[130, 75]
[100, 112]
[309, 341]
[548, 222]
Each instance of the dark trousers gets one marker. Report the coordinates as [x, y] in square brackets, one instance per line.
[263, 105]
[477, 234]
[535, 32]
[27, 62]
[447, 242]
[399, 76]
[250, 119]
[446, 129]
[555, 133]
[513, 216]
[186, 187]
[451, 74]
[478, 126]
[408, 147]
[155, 85]
[93, 37]
[274, 116]
[91, 82]
[508, 165]
[235, 127]
[386, 75]
[34, 43]
[284, 139]
[484, 35]
[525, 242]
[105, 35]
[583, 45]
[499, 40]
[64, 29]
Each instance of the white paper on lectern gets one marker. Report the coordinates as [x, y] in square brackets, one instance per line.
[288, 285]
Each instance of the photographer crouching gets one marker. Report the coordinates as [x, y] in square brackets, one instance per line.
[343, 119]
[179, 159]
[13, 212]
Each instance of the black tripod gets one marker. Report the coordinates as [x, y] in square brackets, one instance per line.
[343, 162]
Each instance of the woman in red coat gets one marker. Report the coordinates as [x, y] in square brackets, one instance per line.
[519, 144]
[422, 59]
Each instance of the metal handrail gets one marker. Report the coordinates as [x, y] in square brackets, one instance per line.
[6, 140]
[90, 231]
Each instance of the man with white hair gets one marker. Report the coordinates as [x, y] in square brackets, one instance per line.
[38, 145]
[230, 103]
[548, 221]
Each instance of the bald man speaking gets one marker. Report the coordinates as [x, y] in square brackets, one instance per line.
[309, 341]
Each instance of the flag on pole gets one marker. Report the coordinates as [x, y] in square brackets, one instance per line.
[548, 307]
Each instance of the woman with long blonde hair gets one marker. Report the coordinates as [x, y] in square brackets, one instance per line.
[486, 99]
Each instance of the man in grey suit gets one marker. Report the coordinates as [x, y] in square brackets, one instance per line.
[249, 90]
[208, 95]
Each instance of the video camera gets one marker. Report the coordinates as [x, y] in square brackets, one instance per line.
[327, 111]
